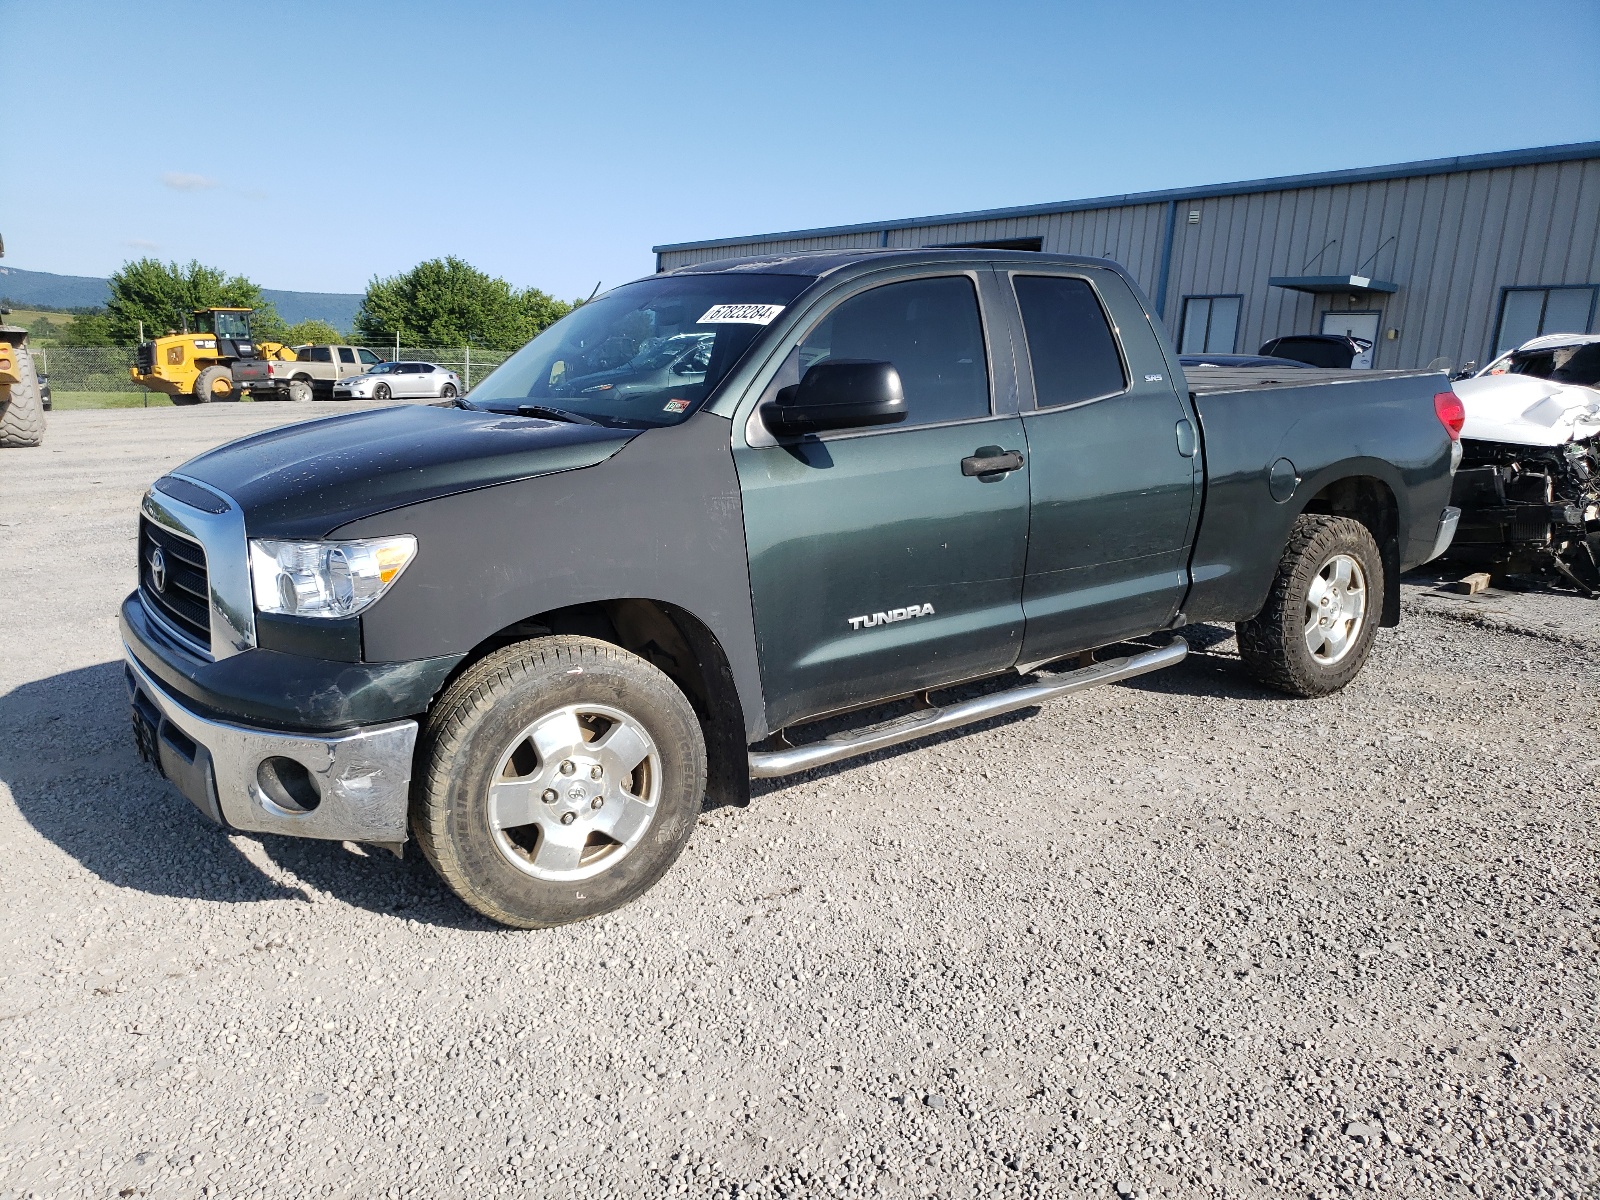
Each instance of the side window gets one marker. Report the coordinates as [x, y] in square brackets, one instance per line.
[368, 357]
[321, 354]
[929, 329]
[346, 354]
[1070, 343]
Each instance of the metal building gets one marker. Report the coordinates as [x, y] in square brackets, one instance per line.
[1452, 258]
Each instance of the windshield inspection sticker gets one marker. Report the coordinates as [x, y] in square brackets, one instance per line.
[740, 314]
[676, 406]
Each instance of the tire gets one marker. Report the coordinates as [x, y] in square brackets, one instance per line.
[299, 391]
[447, 392]
[627, 824]
[382, 394]
[205, 385]
[22, 413]
[1314, 633]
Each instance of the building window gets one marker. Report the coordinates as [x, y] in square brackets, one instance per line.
[1210, 324]
[1528, 312]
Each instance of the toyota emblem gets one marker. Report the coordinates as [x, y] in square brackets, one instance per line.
[158, 570]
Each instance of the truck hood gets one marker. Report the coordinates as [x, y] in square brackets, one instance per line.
[306, 480]
[1523, 410]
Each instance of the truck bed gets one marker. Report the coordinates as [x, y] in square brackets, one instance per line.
[1205, 381]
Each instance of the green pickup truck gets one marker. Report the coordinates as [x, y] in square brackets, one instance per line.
[889, 493]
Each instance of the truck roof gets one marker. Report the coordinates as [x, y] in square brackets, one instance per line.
[824, 262]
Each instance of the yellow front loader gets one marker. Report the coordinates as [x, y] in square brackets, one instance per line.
[21, 406]
[197, 367]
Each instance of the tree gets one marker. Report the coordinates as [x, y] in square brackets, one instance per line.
[92, 328]
[311, 333]
[447, 302]
[164, 296]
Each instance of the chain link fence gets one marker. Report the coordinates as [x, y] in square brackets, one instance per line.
[95, 369]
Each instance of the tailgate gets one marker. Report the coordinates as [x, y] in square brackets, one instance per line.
[251, 370]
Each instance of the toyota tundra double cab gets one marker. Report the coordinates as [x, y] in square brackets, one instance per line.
[536, 628]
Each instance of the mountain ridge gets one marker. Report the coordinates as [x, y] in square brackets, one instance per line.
[49, 290]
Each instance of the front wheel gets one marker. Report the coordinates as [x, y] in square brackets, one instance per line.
[559, 779]
[1316, 629]
[214, 383]
[381, 393]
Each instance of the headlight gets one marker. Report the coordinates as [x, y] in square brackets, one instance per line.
[326, 579]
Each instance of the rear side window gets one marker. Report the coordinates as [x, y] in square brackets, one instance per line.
[1070, 343]
[346, 354]
[321, 354]
[929, 329]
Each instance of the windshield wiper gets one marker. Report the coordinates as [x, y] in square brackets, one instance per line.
[554, 414]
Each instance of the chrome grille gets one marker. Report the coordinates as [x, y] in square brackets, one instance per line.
[184, 595]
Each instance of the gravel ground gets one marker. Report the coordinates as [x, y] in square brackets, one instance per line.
[1177, 937]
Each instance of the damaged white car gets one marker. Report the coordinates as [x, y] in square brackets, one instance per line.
[1529, 483]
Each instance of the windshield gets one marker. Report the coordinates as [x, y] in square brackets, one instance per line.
[381, 369]
[230, 325]
[1561, 364]
[645, 354]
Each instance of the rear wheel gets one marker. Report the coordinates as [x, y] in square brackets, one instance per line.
[1316, 630]
[560, 779]
[300, 391]
[22, 413]
[381, 393]
[447, 391]
[214, 383]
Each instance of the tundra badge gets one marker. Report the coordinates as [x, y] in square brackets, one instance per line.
[890, 617]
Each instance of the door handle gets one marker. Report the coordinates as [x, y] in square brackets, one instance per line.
[991, 460]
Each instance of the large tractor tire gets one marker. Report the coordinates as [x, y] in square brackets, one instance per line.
[214, 383]
[21, 409]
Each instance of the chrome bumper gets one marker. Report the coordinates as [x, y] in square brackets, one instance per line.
[1447, 531]
[345, 787]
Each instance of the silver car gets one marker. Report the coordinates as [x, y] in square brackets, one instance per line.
[399, 381]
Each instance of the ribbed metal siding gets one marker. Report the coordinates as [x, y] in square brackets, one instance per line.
[1459, 239]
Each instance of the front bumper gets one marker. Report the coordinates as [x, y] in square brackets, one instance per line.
[351, 786]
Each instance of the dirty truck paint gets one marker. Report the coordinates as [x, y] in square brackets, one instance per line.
[851, 524]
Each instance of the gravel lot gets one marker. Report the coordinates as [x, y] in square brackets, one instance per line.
[1177, 937]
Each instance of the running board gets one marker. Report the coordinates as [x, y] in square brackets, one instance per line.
[773, 763]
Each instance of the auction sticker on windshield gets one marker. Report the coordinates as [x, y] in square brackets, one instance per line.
[740, 314]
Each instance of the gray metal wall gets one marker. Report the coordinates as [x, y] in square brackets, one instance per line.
[1458, 239]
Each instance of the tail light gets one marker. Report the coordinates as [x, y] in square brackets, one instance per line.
[1452, 413]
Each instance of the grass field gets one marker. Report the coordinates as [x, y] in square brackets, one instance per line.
[38, 323]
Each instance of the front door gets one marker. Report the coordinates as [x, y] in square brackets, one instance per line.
[1363, 326]
[1113, 467]
[877, 568]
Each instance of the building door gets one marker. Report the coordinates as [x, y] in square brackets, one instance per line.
[1363, 326]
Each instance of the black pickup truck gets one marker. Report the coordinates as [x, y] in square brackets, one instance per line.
[538, 626]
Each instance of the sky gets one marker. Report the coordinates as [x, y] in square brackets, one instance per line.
[313, 146]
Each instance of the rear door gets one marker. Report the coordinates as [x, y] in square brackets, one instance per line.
[877, 568]
[348, 365]
[1114, 473]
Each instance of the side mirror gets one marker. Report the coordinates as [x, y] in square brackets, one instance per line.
[838, 393]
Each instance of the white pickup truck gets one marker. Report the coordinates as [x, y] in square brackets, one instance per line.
[310, 375]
